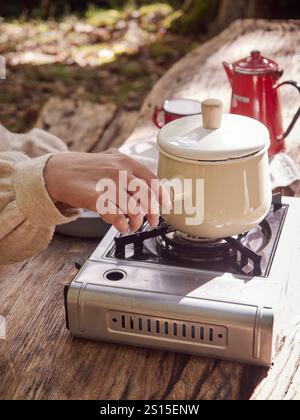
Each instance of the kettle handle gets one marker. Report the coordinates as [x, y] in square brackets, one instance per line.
[155, 117]
[297, 115]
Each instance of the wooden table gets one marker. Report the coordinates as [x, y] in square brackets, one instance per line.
[40, 360]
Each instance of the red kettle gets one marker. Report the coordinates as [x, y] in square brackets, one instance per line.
[255, 93]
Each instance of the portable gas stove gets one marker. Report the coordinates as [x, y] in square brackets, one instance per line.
[161, 289]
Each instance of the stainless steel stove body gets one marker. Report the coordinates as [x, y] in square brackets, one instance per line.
[135, 295]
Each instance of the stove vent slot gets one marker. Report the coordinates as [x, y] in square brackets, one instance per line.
[143, 325]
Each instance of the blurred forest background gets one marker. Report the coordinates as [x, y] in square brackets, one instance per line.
[109, 51]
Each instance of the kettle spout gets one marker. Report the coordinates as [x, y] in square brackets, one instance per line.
[229, 71]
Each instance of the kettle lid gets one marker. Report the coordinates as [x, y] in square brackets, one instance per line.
[256, 63]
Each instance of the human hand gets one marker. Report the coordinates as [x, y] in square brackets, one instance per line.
[72, 179]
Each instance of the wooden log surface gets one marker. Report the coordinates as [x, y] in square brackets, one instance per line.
[40, 360]
[87, 126]
[200, 74]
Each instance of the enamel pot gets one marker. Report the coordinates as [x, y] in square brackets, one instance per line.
[221, 162]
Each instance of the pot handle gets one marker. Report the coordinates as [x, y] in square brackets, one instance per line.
[297, 115]
[212, 113]
[155, 117]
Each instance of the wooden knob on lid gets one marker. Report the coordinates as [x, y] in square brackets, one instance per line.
[212, 110]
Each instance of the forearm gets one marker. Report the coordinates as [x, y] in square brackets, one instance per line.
[28, 216]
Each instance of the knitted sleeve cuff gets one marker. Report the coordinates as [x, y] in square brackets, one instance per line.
[32, 196]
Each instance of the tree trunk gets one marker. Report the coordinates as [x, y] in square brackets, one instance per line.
[231, 10]
[196, 15]
[45, 8]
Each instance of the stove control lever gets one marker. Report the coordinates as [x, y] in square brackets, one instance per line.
[79, 263]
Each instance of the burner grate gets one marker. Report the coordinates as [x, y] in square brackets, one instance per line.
[238, 254]
[245, 257]
[138, 239]
[250, 254]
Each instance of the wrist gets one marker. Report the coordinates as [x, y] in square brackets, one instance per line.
[52, 178]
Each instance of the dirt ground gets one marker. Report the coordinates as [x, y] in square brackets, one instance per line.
[105, 56]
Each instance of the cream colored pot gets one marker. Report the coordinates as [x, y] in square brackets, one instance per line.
[225, 166]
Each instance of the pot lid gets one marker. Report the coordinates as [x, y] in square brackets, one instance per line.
[237, 137]
[255, 64]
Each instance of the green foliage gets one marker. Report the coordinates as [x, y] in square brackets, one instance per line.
[196, 15]
[196, 12]
[55, 72]
[160, 49]
[171, 19]
[102, 17]
[55, 8]
[131, 68]
[161, 9]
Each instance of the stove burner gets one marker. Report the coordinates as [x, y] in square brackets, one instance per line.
[172, 245]
[194, 239]
[138, 239]
[250, 254]
[178, 245]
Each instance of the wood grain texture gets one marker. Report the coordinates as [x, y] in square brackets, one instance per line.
[40, 360]
[86, 126]
[282, 381]
[200, 74]
[81, 124]
[118, 131]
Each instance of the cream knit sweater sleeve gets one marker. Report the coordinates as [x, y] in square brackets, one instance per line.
[28, 216]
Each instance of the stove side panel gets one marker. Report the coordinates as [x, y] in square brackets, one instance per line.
[93, 309]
